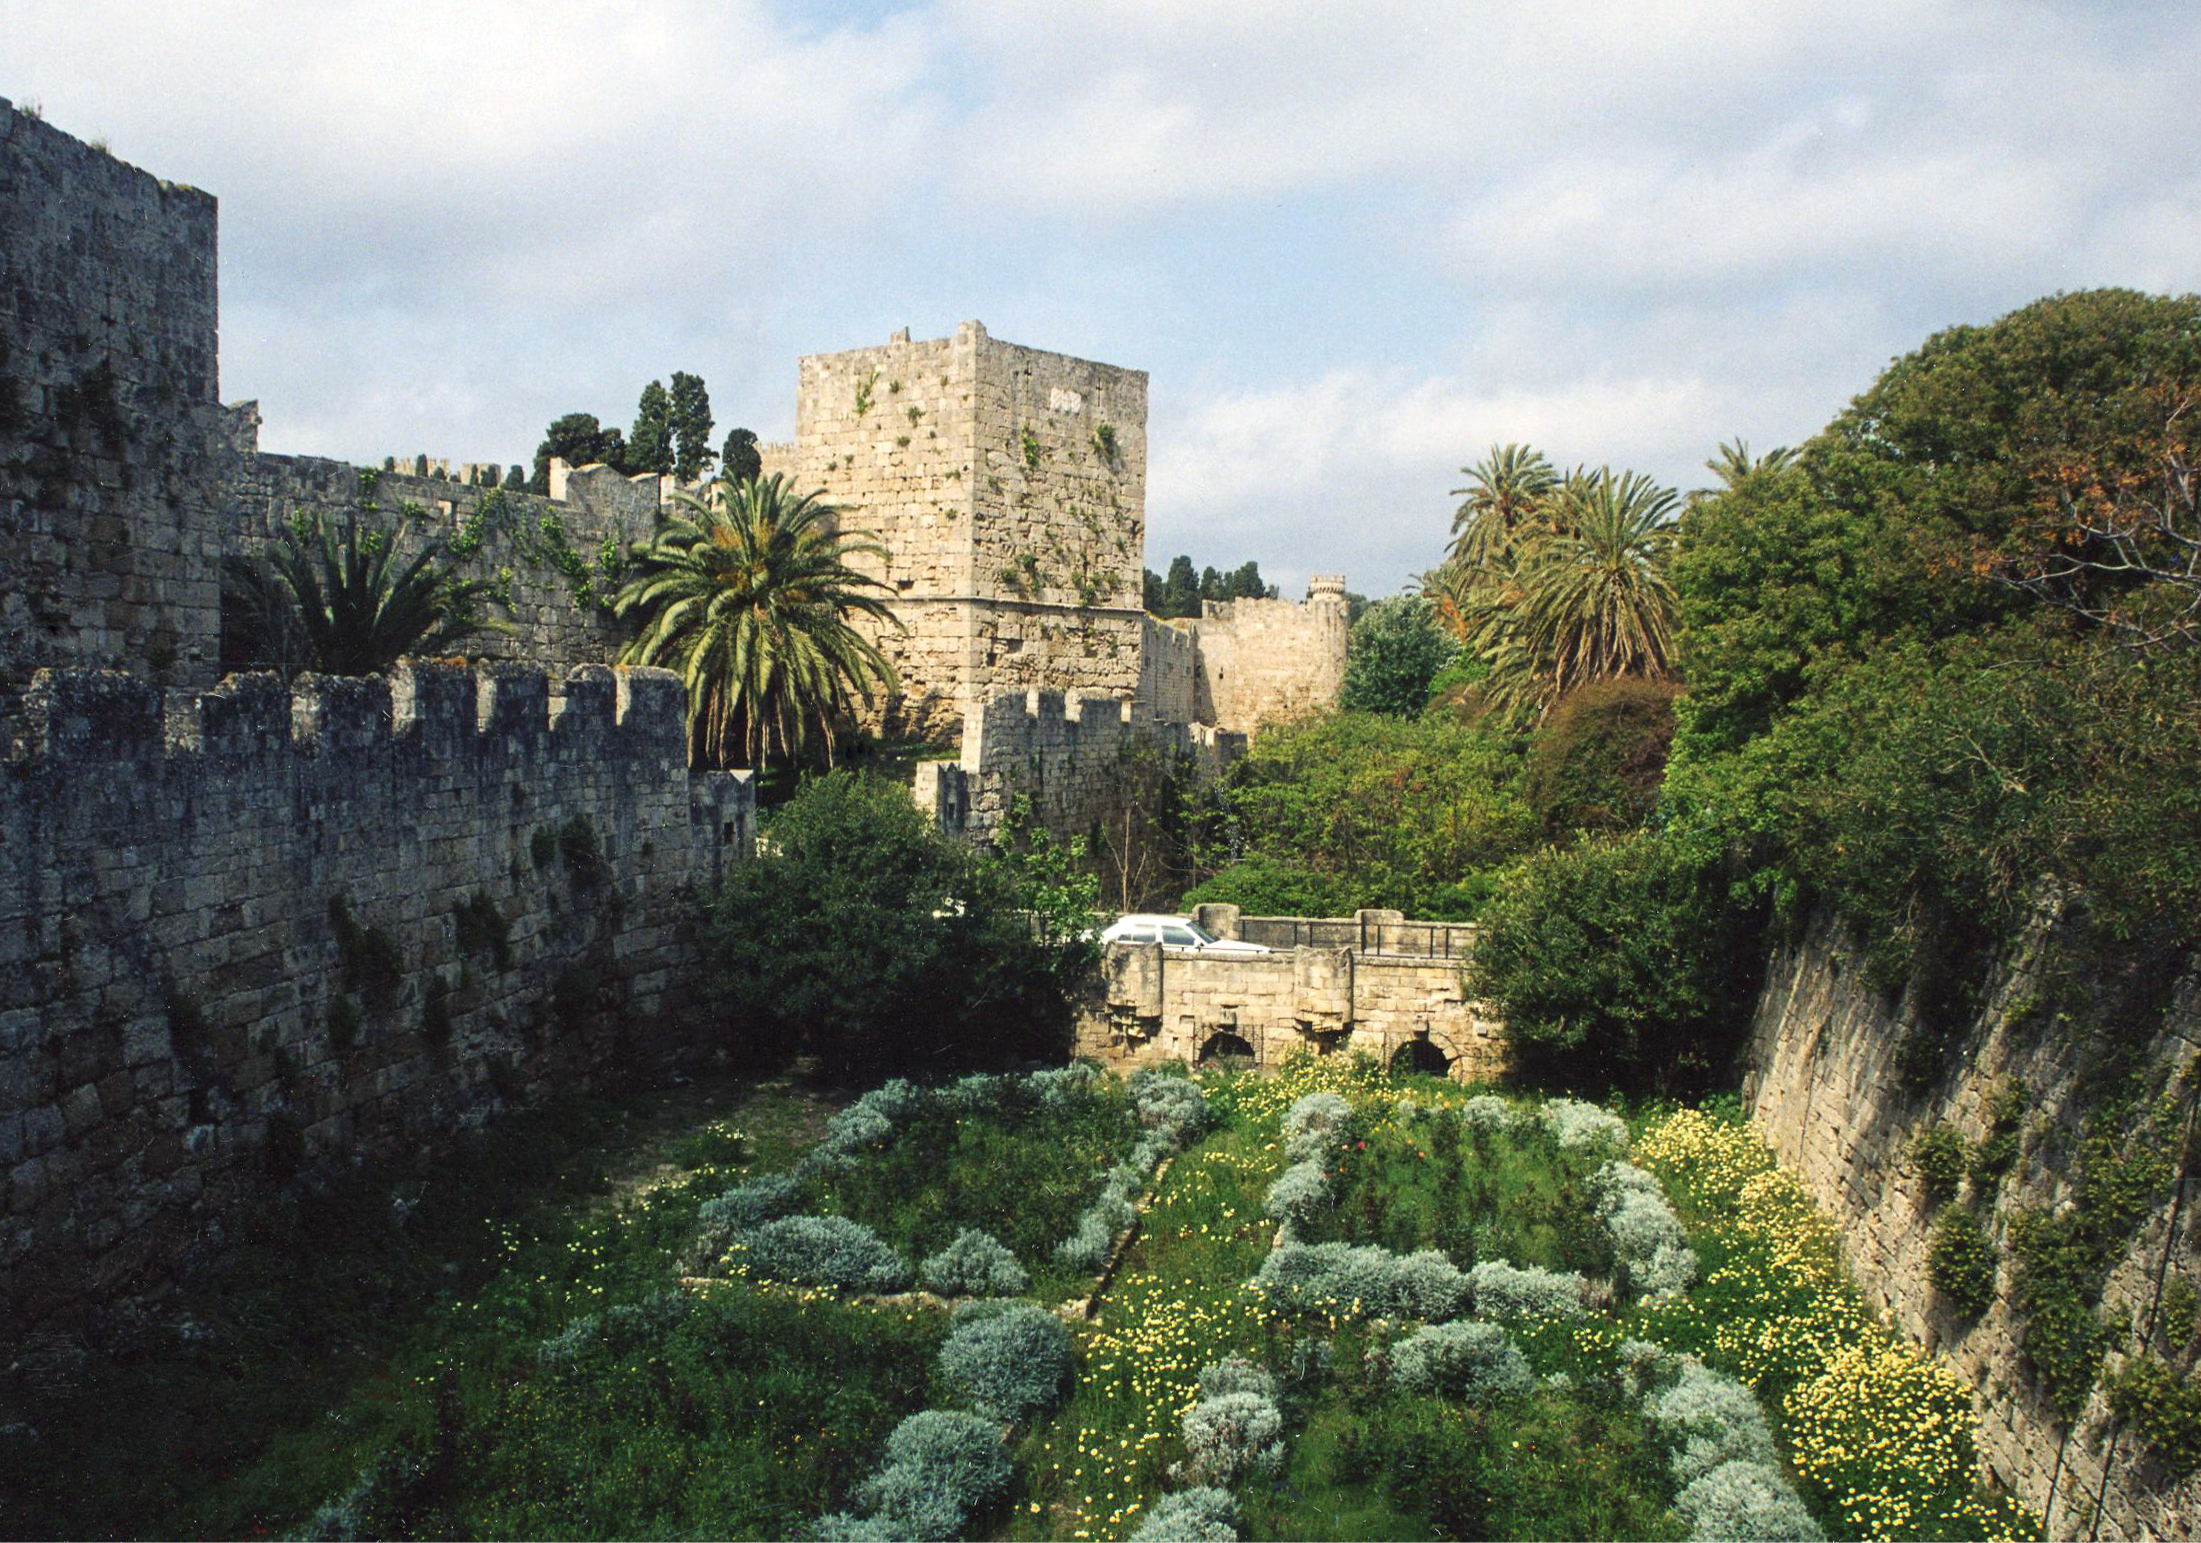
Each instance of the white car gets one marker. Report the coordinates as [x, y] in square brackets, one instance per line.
[1174, 932]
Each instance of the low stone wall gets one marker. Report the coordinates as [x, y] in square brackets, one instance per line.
[1067, 757]
[1825, 1090]
[1158, 1004]
[254, 929]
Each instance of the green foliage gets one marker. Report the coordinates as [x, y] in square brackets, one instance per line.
[542, 847]
[1939, 1156]
[2181, 1309]
[1960, 1261]
[1028, 446]
[1620, 960]
[688, 414]
[1180, 594]
[1011, 1363]
[1268, 886]
[747, 592]
[1998, 1149]
[650, 441]
[883, 944]
[1596, 760]
[578, 440]
[582, 853]
[340, 602]
[1394, 812]
[2062, 1259]
[740, 460]
[2164, 1409]
[1396, 649]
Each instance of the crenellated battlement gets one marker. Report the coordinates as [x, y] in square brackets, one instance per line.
[365, 912]
[441, 710]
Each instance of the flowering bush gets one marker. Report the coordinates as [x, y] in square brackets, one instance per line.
[1201, 1514]
[1884, 1432]
[1473, 1362]
[1746, 1500]
[1232, 1435]
[1009, 1362]
[1501, 1290]
[974, 1265]
[824, 1251]
[1581, 1127]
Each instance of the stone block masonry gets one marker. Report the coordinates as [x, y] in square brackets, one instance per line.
[252, 929]
[110, 539]
[1157, 1004]
[1825, 1089]
[1008, 488]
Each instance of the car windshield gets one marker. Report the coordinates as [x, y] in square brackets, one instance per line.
[1200, 932]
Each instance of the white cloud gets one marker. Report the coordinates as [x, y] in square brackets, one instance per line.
[1355, 243]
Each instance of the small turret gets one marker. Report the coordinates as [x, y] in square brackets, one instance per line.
[1326, 588]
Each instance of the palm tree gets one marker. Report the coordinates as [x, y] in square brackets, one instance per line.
[343, 604]
[1503, 492]
[1735, 466]
[1595, 598]
[746, 590]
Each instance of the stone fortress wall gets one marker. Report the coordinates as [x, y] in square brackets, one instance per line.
[1825, 1089]
[249, 928]
[550, 619]
[110, 537]
[256, 927]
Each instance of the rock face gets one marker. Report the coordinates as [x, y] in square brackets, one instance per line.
[1826, 1087]
[252, 930]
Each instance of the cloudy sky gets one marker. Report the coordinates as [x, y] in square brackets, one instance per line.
[1355, 242]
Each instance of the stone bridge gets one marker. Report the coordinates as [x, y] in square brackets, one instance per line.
[1373, 982]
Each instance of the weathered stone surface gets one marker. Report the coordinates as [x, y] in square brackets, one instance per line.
[1155, 1004]
[344, 875]
[1823, 1088]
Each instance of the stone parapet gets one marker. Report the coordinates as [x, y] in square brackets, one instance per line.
[260, 928]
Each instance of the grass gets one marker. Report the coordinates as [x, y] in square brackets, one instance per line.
[493, 1346]
[1019, 1173]
[1408, 1175]
[336, 1319]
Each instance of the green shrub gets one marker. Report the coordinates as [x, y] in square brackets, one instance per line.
[1380, 811]
[974, 1265]
[939, 1469]
[1474, 1363]
[824, 1251]
[1202, 1514]
[1597, 758]
[1396, 649]
[1010, 1363]
[879, 943]
[1373, 1282]
[1709, 1420]
[2164, 1409]
[1961, 1262]
[1617, 961]
[1502, 1290]
[1747, 1500]
[1232, 1435]
[1270, 886]
[1939, 1157]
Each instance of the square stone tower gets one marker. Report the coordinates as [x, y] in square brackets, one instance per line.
[1008, 486]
